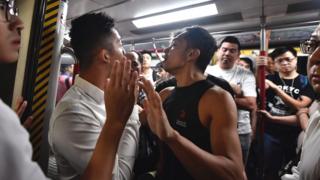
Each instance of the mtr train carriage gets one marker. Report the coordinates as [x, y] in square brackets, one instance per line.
[145, 26]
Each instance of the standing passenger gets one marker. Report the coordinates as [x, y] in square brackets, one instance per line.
[80, 115]
[147, 71]
[15, 148]
[197, 121]
[287, 92]
[309, 166]
[243, 83]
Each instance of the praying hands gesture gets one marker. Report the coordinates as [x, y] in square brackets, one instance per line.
[120, 92]
[120, 95]
[156, 116]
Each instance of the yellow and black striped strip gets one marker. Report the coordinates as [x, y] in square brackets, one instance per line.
[42, 74]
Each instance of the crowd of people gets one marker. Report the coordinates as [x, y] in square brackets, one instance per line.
[198, 124]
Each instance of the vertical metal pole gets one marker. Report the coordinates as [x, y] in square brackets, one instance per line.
[262, 94]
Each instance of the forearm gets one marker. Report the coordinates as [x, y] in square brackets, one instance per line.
[253, 118]
[290, 101]
[127, 150]
[201, 164]
[245, 104]
[303, 120]
[103, 158]
[291, 120]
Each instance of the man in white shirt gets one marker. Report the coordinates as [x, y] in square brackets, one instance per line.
[80, 115]
[243, 84]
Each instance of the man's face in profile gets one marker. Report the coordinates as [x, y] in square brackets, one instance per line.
[313, 66]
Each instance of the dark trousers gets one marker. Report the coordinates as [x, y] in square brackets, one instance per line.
[278, 151]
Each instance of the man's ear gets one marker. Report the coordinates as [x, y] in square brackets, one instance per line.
[193, 54]
[104, 55]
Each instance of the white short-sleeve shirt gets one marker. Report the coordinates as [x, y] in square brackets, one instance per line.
[246, 80]
[15, 149]
[75, 127]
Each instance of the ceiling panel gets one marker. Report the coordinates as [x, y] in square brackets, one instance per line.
[78, 7]
[247, 19]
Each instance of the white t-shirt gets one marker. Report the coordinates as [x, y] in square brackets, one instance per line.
[246, 80]
[15, 149]
[75, 127]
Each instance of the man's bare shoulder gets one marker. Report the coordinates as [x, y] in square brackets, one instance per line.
[214, 102]
[166, 92]
[216, 93]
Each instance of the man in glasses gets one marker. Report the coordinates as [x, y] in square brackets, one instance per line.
[287, 92]
[15, 148]
[309, 165]
[310, 158]
[10, 31]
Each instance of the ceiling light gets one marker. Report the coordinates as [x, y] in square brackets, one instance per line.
[180, 15]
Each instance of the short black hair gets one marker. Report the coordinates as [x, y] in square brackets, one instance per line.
[281, 50]
[88, 33]
[231, 39]
[199, 38]
[248, 61]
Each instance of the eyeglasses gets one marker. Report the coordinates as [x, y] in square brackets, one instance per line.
[286, 59]
[8, 10]
[309, 46]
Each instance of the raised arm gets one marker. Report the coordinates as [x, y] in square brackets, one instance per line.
[119, 97]
[301, 102]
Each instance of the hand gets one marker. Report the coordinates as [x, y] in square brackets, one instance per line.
[262, 61]
[302, 111]
[156, 117]
[120, 92]
[270, 84]
[28, 123]
[236, 89]
[19, 108]
[265, 114]
[303, 118]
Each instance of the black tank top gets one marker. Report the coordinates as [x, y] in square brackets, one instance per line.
[181, 108]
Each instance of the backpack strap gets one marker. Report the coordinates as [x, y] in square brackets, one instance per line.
[67, 82]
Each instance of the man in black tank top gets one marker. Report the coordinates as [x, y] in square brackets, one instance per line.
[215, 80]
[197, 121]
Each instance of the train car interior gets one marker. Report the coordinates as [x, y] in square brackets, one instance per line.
[145, 26]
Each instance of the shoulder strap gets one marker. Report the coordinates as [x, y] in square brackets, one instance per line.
[67, 82]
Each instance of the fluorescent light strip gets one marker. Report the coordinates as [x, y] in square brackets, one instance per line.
[181, 15]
